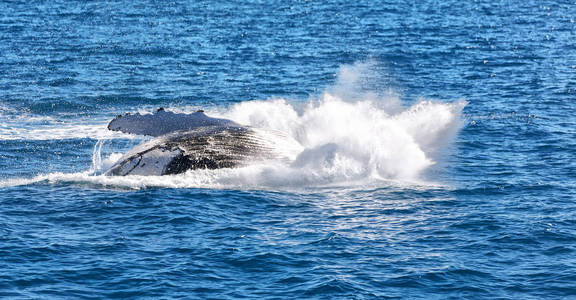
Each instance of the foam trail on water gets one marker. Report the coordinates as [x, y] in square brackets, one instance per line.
[347, 136]
[22, 125]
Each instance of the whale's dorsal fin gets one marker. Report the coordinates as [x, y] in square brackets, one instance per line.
[163, 122]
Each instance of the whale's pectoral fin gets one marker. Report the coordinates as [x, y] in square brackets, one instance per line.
[162, 122]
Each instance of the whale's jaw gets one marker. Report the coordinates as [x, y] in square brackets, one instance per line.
[212, 147]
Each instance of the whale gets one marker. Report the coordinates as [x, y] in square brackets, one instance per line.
[181, 142]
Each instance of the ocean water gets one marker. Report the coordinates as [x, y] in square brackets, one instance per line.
[434, 158]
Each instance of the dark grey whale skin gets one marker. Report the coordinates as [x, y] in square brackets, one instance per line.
[212, 147]
[163, 122]
[186, 142]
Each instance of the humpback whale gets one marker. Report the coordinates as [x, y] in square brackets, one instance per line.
[183, 142]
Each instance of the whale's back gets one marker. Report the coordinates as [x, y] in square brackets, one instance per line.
[164, 122]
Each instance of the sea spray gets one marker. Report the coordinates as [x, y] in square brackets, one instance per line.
[100, 164]
[357, 140]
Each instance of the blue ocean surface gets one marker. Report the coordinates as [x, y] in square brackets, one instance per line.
[435, 152]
